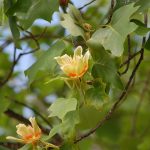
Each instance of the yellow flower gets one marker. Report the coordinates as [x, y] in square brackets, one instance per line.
[74, 67]
[28, 134]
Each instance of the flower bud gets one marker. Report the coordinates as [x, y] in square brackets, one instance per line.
[63, 2]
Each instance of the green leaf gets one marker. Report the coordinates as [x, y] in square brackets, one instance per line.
[40, 9]
[4, 104]
[142, 29]
[46, 61]
[12, 22]
[75, 13]
[7, 5]
[67, 127]
[112, 37]
[20, 6]
[104, 66]
[72, 22]
[144, 145]
[14, 29]
[71, 26]
[69, 146]
[2, 14]
[3, 148]
[120, 3]
[147, 44]
[112, 130]
[89, 117]
[144, 5]
[96, 96]
[62, 106]
[26, 147]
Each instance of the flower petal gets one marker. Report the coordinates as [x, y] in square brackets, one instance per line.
[76, 66]
[59, 60]
[22, 130]
[14, 139]
[35, 125]
[63, 60]
[86, 57]
[78, 51]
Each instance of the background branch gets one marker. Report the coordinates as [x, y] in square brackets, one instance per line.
[116, 104]
[16, 60]
[34, 110]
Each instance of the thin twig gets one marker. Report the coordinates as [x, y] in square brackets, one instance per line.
[129, 55]
[130, 58]
[2, 83]
[11, 146]
[111, 11]
[15, 60]
[5, 44]
[87, 4]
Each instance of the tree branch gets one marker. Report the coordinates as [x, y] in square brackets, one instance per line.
[34, 110]
[11, 146]
[130, 58]
[114, 107]
[16, 60]
[116, 104]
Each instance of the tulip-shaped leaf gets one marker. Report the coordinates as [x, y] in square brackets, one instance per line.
[112, 37]
[40, 9]
[62, 106]
[67, 127]
[105, 66]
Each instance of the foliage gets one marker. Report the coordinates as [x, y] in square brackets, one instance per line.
[108, 101]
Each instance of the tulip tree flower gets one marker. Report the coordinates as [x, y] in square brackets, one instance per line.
[74, 67]
[29, 134]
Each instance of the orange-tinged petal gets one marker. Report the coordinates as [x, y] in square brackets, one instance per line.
[22, 130]
[75, 66]
[35, 126]
[28, 134]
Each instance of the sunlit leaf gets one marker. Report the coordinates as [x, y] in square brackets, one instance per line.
[104, 66]
[67, 127]
[143, 5]
[40, 9]
[62, 106]
[4, 104]
[113, 35]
